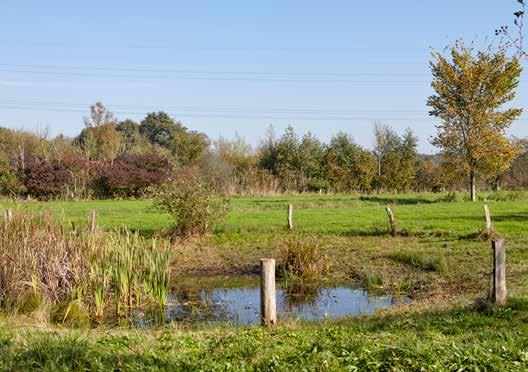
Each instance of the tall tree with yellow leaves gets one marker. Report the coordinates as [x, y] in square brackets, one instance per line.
[471, 88]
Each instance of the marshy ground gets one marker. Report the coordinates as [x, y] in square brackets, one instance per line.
[440, 260]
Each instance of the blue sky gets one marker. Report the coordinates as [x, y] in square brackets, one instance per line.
[235, 66]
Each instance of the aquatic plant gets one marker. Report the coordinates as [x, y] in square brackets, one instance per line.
[78, 271]
[304, 265]
[158, 277]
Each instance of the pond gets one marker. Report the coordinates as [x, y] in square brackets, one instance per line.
[237, 301]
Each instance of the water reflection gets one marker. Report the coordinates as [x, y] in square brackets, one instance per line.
[242, 305]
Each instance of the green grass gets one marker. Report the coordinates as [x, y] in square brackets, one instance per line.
[421, 260]
[138, 215]
[343, 215]
[456, 339]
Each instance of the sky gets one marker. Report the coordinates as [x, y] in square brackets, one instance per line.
[236, 67]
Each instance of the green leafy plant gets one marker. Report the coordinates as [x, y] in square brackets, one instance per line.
[192, 203]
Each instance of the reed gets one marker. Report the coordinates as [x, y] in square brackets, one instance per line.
[304, 266]
[99, 273]
[158, 278]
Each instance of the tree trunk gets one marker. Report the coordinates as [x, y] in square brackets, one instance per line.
[472, 186]
[497, 184]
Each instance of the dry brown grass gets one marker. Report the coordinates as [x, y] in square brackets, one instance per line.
[39, 256]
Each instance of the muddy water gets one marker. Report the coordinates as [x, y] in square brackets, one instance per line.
[240, 304]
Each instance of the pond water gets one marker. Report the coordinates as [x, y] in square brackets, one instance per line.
[241, 305]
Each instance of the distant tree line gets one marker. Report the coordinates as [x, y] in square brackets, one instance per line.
[124, 159]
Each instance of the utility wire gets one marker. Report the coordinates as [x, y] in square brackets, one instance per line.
[246, 109]
[215, 115]
[135, 73]
[151, 69]
[222, 115]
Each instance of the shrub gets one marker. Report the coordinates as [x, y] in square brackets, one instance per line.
[9, 183]
[191, 202]
[130, 175]
[45, 179]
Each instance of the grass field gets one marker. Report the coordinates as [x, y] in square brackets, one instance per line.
[441, 260]
[327, 215]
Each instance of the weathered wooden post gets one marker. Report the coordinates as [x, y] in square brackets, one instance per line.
[290, 216]
[499, 272]
[392, 221]
[489, 225]
[92, 222]
[268, 301]
[9, 215]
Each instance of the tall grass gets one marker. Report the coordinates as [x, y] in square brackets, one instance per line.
[420, 260]
[44, 264]
[304, 266]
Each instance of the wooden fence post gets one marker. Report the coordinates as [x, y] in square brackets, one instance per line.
[290, 216]
[499, 272]
[489, 225]
[92, 222]
[268, 301]
[9, 215]
[392, 221]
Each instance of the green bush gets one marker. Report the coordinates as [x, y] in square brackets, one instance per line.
[192, 203]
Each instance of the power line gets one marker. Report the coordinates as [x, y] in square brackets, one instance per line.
[245, 109]
[216, 77]
[135, 73]
[351, 116]
[151, 69]
[215, 115]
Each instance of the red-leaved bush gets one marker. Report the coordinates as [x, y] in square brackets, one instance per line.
[131, 174]
[45, 179]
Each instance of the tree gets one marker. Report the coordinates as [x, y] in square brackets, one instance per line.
[348, 167]
[396, 157]
[162, 130]
[267, 151]
[187, 146]
[99, 139]
[237, 153]
[517, 175]
[158, 127]
[101, 143]
[408, 161]
[129, 130]
[471, 87]
[99, 116]
[516, 40]
[311, 153]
